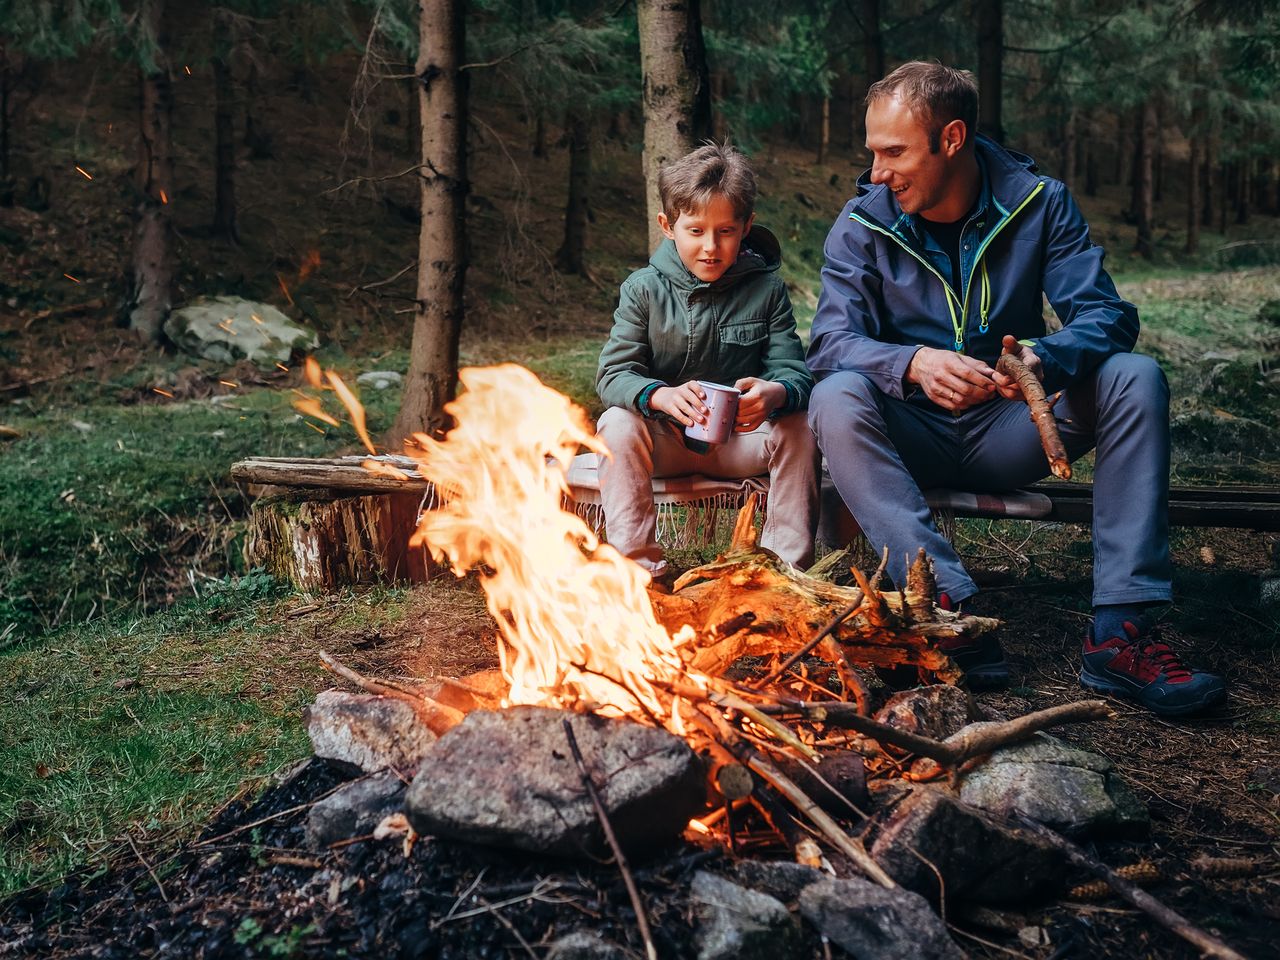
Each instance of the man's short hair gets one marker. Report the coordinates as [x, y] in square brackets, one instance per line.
[936, 94]
[688, 184]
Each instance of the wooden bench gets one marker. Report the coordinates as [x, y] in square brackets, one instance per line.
[323, 523]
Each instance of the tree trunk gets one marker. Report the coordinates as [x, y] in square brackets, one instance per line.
[824, 130]
[1158, 159]
[1244, 192]
[1224, 197]
[1196, 145]
[1143, 186]
[873, 65]
[990, 17]
[695, 62]
[224, 202]
[152, 254]
[1067, 163]
[1089, 161]
[1210, 165]
[4, 115]
[442, 236]
[540, 133]
[671, 91]
[1271, 189]
[569, 258]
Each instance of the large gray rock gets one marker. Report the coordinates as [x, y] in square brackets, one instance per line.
[506, 778]
[783, 879]
[873, 923]
[740, 924]
[979, 859]
[354, 809]
[364, 732]
[935, 711]
[227, 329]
[1073, 791]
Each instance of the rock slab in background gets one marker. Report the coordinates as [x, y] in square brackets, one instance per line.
[1075, 792]
[979, 859]
[740, 924]
[506, 778]
[224, 329]
[354, 809]
[364, 732]
[867, 920]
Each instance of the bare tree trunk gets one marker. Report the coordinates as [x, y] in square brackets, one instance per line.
[1089, 160]
[569, 258]
[4, 114]
[1244, 192]
[1196, 144]
[695, 62]
[1271, 190]
[540, 133]
[150, 298]
[671, 91]
[873, 66]
[1143, 187]
[442, 237]
[1067, 163]
[1210, 165]
[990, 17]
[224, 194]
[1158, 160]
[824, 130]
[1224, 197]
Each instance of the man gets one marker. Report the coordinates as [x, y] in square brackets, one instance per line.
[936, 267]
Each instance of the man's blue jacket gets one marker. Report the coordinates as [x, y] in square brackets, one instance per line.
[886, 289]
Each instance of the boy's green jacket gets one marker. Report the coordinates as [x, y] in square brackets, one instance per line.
[670, 327]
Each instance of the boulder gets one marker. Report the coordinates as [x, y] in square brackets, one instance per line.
[740, 924]
[354, 809]
[380, 379]
[584, 945]
[783, 879]
[506, 778]
[866, 920]
[936, 711]
[363, 732]
[227, 329]
[978, 859]
[1075, 792]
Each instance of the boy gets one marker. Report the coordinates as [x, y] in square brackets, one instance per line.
[709, 306]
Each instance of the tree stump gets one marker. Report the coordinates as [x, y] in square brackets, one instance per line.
[322, 540]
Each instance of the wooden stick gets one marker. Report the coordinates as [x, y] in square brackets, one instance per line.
[642, 920]
[1206, 943]
[1041, 413]
[954, 751]
[849, 846]
[821, 635]
[437, 716]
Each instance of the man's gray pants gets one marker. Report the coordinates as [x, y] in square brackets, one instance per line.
[882, 451]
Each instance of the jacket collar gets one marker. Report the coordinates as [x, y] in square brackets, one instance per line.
[1008, 178]
[760, 253]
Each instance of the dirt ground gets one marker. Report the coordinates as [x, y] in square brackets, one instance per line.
[1212, 784]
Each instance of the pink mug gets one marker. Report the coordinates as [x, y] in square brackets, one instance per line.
[722, 404]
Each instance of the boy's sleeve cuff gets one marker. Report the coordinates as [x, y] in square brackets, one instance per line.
[642, 401]
[791, 404]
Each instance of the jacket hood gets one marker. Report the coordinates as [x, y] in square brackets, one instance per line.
[1012, 176]
[760, 253]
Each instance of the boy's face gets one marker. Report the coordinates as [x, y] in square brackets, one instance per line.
[708, 239]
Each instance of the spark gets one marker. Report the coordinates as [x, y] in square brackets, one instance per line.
[83, 172]
[255, 318]
[229, 383]
[187, 69]
[282, 367]
[164, 197]
[71, 278]
[314, 427]
[163, 393]
[285, 289]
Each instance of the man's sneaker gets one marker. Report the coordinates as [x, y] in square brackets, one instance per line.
[980, 659]
[1139, 666]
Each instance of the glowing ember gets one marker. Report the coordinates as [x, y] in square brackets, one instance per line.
[573, 612]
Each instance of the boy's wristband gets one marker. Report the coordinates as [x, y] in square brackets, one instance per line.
[790, 404]
[642, 401]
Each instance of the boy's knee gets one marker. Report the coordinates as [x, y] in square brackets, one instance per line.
[620, 428]
[840, 399]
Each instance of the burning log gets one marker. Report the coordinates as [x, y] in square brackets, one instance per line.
[1041, 413]
[776, 609]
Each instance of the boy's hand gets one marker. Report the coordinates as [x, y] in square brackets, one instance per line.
[759, 399]
[684, 402]
[1007, 387]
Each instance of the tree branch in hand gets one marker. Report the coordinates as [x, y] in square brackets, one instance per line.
[1041, 413]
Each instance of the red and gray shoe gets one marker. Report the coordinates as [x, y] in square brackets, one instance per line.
[1140, 666]
[980, 659]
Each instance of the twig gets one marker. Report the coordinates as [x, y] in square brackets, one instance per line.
[821, 635]
[390, 176]
[439, 717]
[143, 860]
[642, 920]
[1041, 413]
[365, 287]
[1206, 943]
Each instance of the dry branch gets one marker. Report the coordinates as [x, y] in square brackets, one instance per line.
[437, 716]
[1041, 413]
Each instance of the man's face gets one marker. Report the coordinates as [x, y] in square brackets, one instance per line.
[707, 239]
[901, 159]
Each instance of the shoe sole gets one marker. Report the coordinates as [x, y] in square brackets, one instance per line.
[988, 676]
[1211, 698]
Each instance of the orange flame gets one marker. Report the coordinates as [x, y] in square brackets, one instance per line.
[311, 407]
[383, 469]
[309, 264]
[284, 289]
[354, 407]
[311, 370]
[573, 612]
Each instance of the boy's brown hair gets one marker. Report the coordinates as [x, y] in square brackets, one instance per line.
[936, 95]
[688, 184]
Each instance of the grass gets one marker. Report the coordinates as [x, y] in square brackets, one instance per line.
[144, 725]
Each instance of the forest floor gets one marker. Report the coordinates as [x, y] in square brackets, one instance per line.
[154, 687]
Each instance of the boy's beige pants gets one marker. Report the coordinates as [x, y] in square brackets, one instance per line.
[642, 449]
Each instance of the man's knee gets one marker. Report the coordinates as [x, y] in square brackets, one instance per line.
[1134, 377]
[841, 400]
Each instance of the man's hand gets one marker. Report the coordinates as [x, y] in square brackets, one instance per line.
[759, 399]
[951, 380]
[1007, 387]
[684, 402]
